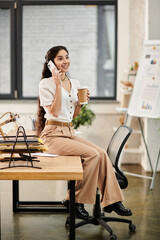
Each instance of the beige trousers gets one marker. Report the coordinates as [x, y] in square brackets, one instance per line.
[97, 167]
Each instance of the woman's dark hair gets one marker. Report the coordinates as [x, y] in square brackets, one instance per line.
[51, 54]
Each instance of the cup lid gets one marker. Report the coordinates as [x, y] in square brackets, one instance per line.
[82, 87]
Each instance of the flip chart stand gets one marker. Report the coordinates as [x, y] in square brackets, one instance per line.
[145, 99]
[155, 170]
[146, 147]
[148, 155]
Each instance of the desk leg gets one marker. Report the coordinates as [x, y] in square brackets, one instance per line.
[72, 211]
[15, 192]
[34, 206]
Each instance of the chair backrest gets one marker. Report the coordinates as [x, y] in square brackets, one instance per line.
[114, 150]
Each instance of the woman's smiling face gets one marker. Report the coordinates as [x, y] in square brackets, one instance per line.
[62, 61]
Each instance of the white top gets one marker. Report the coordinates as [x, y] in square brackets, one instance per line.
[47, 88]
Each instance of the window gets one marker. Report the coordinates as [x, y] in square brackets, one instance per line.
[87, 29]
[106, 86]
[7, 41]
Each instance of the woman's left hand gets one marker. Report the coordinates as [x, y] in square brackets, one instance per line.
[88, 98]
[88, 95]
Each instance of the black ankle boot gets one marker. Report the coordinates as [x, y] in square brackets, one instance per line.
[80, 211]
[119, 208]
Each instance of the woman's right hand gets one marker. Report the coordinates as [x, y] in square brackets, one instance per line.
[56, 74]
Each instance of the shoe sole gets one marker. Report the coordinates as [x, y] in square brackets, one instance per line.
[119, 213]
[123, 214]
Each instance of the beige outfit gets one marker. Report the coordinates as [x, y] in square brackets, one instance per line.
[97, 167]
[62, 140]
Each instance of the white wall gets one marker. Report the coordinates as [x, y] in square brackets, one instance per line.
[137, 17]
[24, 109]
[154, 19]
[131, 34]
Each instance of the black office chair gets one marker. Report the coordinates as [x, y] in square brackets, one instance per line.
[114, 150]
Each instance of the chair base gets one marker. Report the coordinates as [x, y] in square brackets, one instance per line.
[102, 221]
[99, 219]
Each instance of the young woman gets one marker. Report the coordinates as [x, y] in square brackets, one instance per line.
[58, 105]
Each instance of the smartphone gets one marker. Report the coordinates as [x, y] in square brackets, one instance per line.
[51, 66]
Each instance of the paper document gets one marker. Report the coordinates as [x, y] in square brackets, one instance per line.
[44, 154]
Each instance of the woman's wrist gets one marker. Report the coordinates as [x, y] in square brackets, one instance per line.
[78, 104]
[58, 85]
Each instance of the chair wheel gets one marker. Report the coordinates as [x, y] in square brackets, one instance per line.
[113, 237]
[132, 227]
[67, 222]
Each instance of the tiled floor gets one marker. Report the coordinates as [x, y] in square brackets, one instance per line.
[145, 205]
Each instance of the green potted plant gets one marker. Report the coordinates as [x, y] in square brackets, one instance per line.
[85, 117]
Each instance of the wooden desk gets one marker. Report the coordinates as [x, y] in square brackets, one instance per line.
[58, 168]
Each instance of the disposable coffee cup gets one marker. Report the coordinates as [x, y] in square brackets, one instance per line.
[82, 95]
